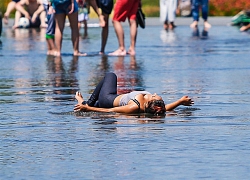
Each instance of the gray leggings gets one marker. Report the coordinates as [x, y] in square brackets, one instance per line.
[105, 92]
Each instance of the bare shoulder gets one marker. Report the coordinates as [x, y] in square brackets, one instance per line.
[39, 1]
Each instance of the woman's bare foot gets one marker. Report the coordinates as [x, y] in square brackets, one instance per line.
[118, 52]
[79, 97]
[15, 26]
[207, 25]
[194, 24]
[80, 54]
[131, 52]
[101, 21]
[57, 53]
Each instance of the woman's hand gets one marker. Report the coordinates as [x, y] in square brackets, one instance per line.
[80, 107]
[71, 8]
[186, 101]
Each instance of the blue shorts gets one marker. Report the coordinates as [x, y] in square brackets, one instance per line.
[105, 5]
[16, 1]
[50, 30]
[62, 6]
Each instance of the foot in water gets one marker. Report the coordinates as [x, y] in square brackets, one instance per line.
[79, 97]
[80, 54]
[118, 52]
[131, 52]
[194, 24]
[207, 25]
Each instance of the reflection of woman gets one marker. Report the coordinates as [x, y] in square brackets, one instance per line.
[106, 99]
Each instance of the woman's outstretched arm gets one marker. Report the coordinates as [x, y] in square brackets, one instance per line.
[130, 108]
[185, 101]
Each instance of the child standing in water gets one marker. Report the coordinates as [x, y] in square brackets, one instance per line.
[83, 17]
[50, 31]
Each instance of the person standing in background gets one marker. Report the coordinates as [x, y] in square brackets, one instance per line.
[10, 7]
[50, 30]
[106, 6]
[168, 13]
[83, 17]
[62, 9]
[195, 13]
[125, 9]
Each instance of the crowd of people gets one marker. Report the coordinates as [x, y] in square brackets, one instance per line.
[51, 14]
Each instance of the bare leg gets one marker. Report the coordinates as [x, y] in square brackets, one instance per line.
[17, 18]
[97, 11]
[105, 32]
[51, 46]
[10, 7]
[133, 34]
[73, 20]
[42, 19]
[85, 28]
[60, 21]
[121, 51]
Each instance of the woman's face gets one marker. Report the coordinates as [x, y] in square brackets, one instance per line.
[155, 97]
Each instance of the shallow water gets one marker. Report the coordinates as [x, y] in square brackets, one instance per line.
[41, 137]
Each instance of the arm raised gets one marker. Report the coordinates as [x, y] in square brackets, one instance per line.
[185, 101]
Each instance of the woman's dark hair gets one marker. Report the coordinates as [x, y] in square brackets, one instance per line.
[155, 107]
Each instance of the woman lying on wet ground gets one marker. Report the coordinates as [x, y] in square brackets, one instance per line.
[105, 99]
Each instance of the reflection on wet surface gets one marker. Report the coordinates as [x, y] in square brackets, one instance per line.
[42, 138]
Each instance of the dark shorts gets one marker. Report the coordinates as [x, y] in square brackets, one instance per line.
[35, 24]
[105, 5]
[16, 1]
[63, 7]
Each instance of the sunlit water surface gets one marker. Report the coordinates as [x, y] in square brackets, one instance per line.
[41, 137]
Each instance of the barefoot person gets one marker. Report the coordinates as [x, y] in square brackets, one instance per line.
[50, 30]
[62, 9]
[106, 6]
[196, 4]
[125, 9]
[33, 10]
[10, 7]
[106, 99]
